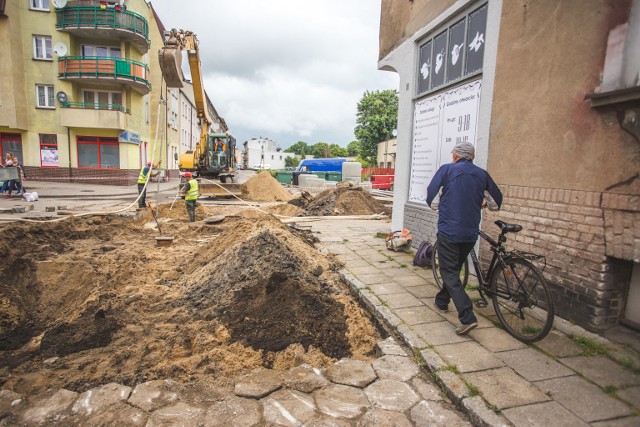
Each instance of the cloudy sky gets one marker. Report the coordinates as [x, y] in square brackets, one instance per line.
[289, 70]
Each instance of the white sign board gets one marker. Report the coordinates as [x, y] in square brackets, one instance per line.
[130, 137]
[440, 122]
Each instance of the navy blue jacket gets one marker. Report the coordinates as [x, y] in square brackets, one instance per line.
[463, 185]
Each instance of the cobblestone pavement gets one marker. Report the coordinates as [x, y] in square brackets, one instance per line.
[571, 377]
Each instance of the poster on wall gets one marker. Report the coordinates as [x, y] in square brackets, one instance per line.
[49, 157]
[440, 122]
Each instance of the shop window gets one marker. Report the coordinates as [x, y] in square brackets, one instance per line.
[98, 152]
[39, 4]
[453, 53]
[49, 150]
[12, 143]
[44, 96]
[42, 47]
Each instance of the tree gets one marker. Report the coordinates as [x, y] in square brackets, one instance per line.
[337, 151]
[376, 118]
[320, 150]
[291, 161]
[353, 149]
[300, 148]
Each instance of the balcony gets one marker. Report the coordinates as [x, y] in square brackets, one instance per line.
[102, 69]
[92, 22]
[94, 116]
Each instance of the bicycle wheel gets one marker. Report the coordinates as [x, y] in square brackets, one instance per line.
[435, 266]
[527, 313]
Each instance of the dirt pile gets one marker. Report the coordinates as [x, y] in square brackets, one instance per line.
[264, 188]
[344, 201]
[93, 301]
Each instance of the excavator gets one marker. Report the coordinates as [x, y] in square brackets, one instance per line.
[214, 155]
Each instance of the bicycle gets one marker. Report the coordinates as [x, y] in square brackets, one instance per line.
[519, 292]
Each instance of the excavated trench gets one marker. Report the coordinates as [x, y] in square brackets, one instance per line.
[91, 301]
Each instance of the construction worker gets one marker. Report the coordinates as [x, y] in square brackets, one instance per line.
[190, 199]
[142, 180]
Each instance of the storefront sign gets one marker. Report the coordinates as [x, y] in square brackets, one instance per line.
[49, 157]
[440, 122]
[130, 137]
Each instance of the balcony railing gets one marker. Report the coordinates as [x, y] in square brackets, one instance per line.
[102, 67]
[83, 17]
[94, 106]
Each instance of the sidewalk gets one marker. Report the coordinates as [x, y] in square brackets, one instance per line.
[571, 377]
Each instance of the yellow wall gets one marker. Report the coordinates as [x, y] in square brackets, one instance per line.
[13, 112]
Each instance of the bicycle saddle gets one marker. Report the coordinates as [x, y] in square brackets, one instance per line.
[508, 228]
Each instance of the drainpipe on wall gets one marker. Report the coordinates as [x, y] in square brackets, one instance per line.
[69, 143]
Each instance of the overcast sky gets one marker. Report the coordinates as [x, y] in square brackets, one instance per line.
[289, 70]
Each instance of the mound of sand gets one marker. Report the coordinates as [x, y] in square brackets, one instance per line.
[264, 188]
[344, 201]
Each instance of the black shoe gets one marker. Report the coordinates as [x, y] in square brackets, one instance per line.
[464, 329]
[440, 309]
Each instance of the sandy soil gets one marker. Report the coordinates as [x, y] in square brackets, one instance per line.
[94, 300]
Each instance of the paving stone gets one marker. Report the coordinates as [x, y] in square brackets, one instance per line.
[304, 378]
[388, 316]
[410, 281]
[386, 289]
[602, 371]
[48, 407]
[438, 333]
[620, 422]
[631, 395]
[322, 420]
[234, 411]
[503, 388]
[373, 278]
[379, 417]
[399, 368]
[453, 385]
[534, 365]
[417, 315]
[258, 384]
[559, 344]
[425, 389]
[495, 340]
[358, 266]
[548, 414]
[469, 356]
[423, 291]
[452, 317]
[351, 372]
[584, 399]
[118, 414]
[409, 337]
[288, 408]
[341, 401]
[391, 395]
[390, 347]
[398, 272]
[434, 414]
[401, 300]
[99, 398]
[480, 415]
[180, 413]
[152, 395]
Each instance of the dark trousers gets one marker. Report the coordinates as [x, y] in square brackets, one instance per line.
[451, 256]
[143, 198]
[191, 209]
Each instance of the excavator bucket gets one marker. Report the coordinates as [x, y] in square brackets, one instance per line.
[171, 65]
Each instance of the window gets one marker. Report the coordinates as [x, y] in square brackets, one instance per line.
[104, 51]
[49, 150]
[39, 4]
[102, 100]
[12, 143]
[44, 96]
[453, 53]
[42, 47]
[98, 152]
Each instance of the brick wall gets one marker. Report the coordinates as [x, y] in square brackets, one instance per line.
[589, 240]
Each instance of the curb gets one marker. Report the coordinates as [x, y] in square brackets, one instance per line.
[479, 413]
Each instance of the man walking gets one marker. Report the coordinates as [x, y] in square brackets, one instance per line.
[190, 199]
[464, 189]
[142, 181]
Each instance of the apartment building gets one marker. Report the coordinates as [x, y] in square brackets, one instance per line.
[82, 96]
[549, 93]
[263, 153]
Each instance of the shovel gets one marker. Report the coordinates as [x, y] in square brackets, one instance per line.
[155, 217]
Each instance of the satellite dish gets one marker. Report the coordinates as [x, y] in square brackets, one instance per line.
[59, 4]
[61, 97]
[60, 49]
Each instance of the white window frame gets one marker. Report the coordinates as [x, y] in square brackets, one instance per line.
[42, 41]
[49, 96]
[109, 49]
[40, 5]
